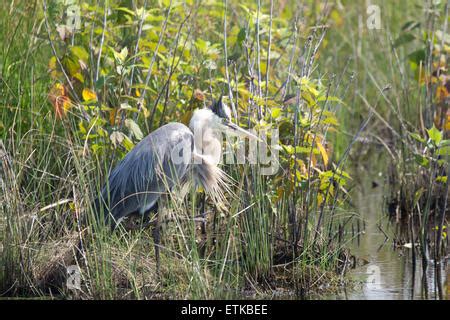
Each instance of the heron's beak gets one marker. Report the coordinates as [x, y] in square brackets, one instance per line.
[238, 131]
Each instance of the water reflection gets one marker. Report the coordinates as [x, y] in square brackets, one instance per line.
[388, 272]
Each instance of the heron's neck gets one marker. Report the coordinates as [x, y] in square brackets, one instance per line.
[208, 145]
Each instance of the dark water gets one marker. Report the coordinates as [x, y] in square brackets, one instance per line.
[387, 272]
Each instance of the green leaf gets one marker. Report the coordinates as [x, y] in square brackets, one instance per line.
[127, 143]
[276, 112]
[71, 66]
[122, 55]
[441, 179]
[126, 10]
[422, 161]
[417, 195]
[444, 143]
[331, 120]
[289, 149]
[403, 39]
[417, 56]
[410, 25]
[417, 137]
[306, 150]
[82, 128]
[241, 36]
[435, 135]
[80, 53]
[444, 151]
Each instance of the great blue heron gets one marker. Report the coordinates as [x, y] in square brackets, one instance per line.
[169, 156]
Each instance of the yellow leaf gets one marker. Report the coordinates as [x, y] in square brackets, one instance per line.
[79, 77]
[280, 192]
[82, 127]
[52, 63]
[441, 93]
[112, 116]
[146, 112]
[53, 68]
[88, 95]
[186, 118]
[320, 198]
[66, 104]
[337, 18]
[323, 152]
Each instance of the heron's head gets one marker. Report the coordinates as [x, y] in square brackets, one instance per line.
[217, 117]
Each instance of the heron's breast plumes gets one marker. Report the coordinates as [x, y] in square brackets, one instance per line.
[206, 155]
[214, 181]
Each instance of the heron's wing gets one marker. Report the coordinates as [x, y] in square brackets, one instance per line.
[155, 165]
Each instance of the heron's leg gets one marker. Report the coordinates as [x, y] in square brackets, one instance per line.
[155, 223]
[156, 241]
[146, 219]
[203, 225]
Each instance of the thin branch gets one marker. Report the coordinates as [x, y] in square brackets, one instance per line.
[105, 9]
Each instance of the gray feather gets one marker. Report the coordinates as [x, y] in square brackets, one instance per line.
[146, 172]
